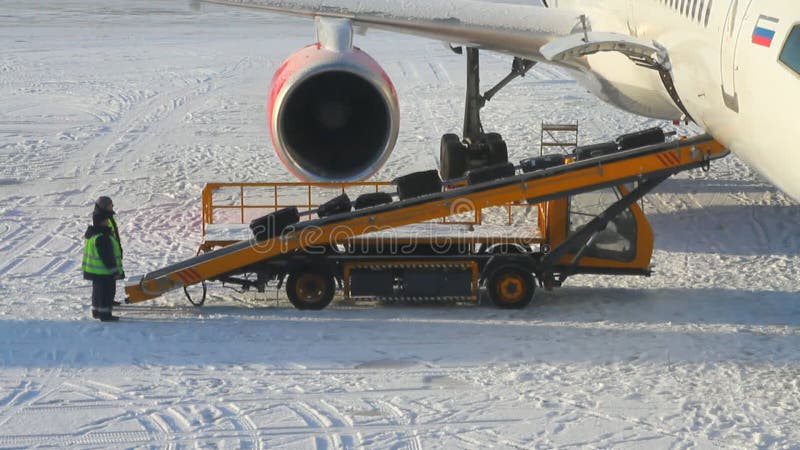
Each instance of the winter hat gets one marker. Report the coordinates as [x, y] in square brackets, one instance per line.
[104, 202]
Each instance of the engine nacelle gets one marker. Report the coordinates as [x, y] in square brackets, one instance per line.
[333, 116]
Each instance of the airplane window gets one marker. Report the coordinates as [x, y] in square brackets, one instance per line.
[791, 50]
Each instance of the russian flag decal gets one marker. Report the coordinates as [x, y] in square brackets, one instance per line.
[765, 30]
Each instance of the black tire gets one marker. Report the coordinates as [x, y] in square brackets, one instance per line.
[372, 199]
[452, 157]
[338, 205]
[271, 225]
[504, 249]
[511, 286]
[498, 149]
[418, 183]
[310, 288]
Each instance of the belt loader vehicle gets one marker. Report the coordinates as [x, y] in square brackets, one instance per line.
[587, 222]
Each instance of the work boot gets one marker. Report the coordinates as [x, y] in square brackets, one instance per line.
[108, 318]
[95, 314]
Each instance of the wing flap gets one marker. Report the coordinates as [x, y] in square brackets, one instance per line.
[520, 30]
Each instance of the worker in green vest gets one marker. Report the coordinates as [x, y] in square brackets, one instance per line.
[102, 264]
[104, 207]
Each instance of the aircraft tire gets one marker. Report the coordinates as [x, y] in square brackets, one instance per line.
[452, 157]
[498, 149]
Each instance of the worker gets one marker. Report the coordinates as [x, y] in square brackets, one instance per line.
[104, 207]
[102, 264]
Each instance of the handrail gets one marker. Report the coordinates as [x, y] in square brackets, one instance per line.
[209, 207]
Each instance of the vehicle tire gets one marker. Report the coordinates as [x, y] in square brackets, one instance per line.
[271, 225]
[498, 149]
[511, 286]
[418, 183]
[310, 288]
[452, 157]
[504, 249]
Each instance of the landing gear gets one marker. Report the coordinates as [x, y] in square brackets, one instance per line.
[452, 157]
[476, 149]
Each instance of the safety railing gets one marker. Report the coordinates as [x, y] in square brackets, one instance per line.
[232, 203]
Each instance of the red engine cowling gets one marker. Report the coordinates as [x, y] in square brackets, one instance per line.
[333, 116]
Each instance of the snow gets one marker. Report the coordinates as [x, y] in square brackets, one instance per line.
[146, 101]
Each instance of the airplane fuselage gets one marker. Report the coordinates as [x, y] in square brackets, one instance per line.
[726, 69]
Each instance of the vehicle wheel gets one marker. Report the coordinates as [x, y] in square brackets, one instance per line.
[310, 289]
[511, 287]
[504, 249]
[418, 183]
[452, 157]
[498, 149]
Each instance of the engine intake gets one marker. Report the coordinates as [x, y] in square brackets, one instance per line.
[333, 116]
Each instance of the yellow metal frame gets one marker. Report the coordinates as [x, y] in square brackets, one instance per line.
[557, 184]
[276, 188]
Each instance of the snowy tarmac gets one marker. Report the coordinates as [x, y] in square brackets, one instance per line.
[146, 101]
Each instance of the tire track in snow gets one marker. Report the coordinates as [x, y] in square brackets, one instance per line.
[246, 423]
[404, 420]
[27, 393]
[315, 419]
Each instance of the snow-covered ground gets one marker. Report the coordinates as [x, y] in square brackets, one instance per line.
[146, 101]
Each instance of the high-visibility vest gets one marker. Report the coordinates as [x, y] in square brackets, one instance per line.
[93, 264]
[114, 232]
[113, 225]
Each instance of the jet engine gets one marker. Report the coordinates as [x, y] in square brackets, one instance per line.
[333, 116]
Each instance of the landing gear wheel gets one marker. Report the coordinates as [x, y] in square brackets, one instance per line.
[511, 287]
[310, 289]
[452, 157]
[418, 183]
[498, 149]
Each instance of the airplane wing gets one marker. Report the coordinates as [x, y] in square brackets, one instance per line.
[519, 30]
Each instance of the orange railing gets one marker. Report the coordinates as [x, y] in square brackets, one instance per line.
[269, 197]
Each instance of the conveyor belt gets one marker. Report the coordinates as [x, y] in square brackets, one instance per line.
[557, 182]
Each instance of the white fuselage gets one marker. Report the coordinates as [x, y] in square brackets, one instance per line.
[738, 90]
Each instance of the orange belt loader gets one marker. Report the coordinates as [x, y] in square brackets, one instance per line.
[589, 222]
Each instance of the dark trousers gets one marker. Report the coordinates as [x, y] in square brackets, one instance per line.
[103, 291]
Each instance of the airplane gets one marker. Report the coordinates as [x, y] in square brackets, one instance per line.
[730, 66]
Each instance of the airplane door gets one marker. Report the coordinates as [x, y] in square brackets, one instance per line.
[737, 11]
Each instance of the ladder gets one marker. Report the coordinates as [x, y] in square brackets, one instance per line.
[562, 136]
